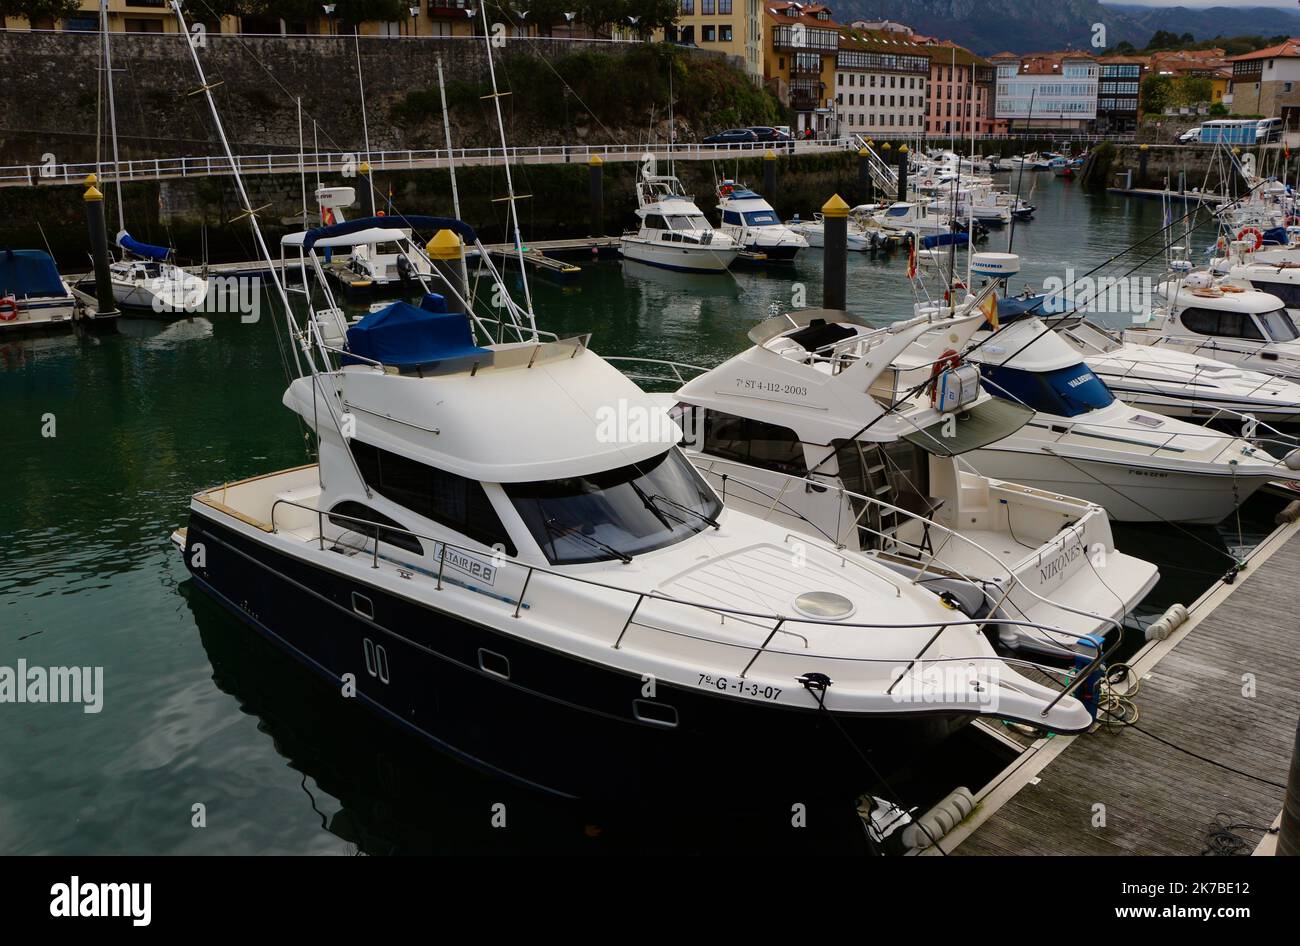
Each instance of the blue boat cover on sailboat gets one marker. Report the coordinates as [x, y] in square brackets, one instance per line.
[158, 254]
[29, 274]
[406, 337]
[1013, 308]
[943, 239]
[394, 222]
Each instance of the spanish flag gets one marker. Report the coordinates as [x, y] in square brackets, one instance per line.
[990, 309]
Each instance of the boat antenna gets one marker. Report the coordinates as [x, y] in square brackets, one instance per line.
[112, 115]
[511, 199]
[302, 164]
[365, 127]
[451, 167]
[1020, 177]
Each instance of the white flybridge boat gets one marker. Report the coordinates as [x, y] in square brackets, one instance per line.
[673, 233]
[752, 223]
[1227, 319]
[782, 431]
[1083, 441]
[365, 258]
[144, 278]
[489, 564]
[858, 239]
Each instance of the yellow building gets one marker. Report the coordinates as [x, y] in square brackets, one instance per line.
[733, 27]
[800, 46]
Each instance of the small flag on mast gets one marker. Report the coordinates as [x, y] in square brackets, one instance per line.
[911, 260]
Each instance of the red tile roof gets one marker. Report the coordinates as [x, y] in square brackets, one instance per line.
[1288, 50]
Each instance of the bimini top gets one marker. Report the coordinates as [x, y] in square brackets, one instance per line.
[409, 338]
[394, 222]
[29, 274]
[159, 254]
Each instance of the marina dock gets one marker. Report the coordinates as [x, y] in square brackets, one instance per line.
[1201, 748]
[1155, 193]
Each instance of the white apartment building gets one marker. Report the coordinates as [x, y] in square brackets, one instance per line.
[1056, 90]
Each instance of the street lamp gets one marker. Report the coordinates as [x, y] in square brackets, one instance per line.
[415, 12]
[329, 15]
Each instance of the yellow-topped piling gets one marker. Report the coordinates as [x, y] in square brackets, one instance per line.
[444, 245]
[835, 207]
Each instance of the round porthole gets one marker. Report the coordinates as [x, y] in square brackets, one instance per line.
[823, 605]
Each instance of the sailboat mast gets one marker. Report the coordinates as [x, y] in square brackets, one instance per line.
[112, 115]
[365, 127]
[451, 168]
[505, 157]
[248, 208]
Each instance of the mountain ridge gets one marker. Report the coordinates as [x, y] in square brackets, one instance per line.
[1021, 26]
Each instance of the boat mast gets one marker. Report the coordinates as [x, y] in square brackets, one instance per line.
[451, 169]
[112, 115]
[365, 127]
[505, 157]
[247, 206]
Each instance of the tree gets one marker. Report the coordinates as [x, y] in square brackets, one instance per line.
[33, 10]
[1157, 94]
[1190, 91]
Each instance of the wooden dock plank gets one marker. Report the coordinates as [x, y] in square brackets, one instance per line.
[1158, 799]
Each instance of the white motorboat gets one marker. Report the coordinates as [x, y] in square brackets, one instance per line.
[858, 239]
[783, 432]
[1179, 384]
[1223, 320]
[485, 555]
[752, 223]
[32, 293]
[1083, 441]
[673, 233]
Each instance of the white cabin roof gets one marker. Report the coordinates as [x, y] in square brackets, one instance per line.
[1246, 301]
[569, 413]
[360, 238]
[1048, 351]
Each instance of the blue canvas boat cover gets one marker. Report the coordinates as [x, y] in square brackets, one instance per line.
[1026, 307]
[158, 254]
[29, 274]
[404, 336]
[943, 239]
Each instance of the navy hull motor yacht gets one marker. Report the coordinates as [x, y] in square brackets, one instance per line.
[574, 609]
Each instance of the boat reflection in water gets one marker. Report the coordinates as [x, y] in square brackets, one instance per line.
[381, 792]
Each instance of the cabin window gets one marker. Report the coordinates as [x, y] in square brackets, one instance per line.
[617, 513]
[731, 216]
[1221, 324]
[655, 222]
[1288, 292]
[453, 501]
[754, 442]
[345, 516]
[1066, 392]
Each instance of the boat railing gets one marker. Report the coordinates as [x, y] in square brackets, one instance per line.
[1001, 575]
[1069, 679]
[670, 372]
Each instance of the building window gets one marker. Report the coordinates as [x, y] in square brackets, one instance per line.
[707, 7]
[710, 32]
[724, 32]
[688, 7]
[724, 6]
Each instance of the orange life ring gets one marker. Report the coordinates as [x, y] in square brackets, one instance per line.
[8, 308]
[947, 361]
[1256, 232]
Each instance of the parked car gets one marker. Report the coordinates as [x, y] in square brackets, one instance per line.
[732, 136]
[767, 133]
[1191, 135]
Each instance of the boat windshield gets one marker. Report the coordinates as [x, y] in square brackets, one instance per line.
[762, 218]
[1279, 326]
[617, 513]
[687, 222]
[1065, 392]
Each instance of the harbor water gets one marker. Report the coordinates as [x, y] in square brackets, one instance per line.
[208, 740]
